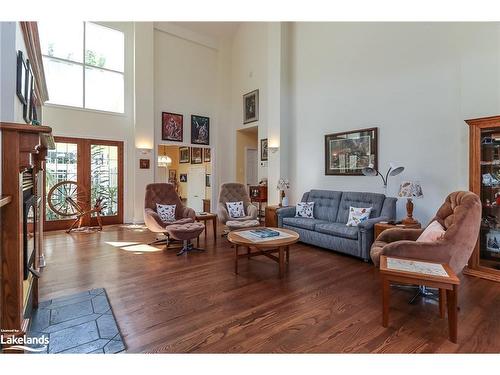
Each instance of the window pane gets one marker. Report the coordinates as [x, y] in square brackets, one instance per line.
[104, 47]
[64, 82]
[103, 177]
[62, 39]
[103, 90]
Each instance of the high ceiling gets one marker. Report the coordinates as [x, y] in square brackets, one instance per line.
[218, 30]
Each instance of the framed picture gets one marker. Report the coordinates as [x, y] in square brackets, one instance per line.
[200, 130]
[207, 180]
[196, 155]
[21, 77]
[346, 154]
[171, 126]
[172, 175]
[144, 163]
[28, 91]
[263, 149]
[183, 177]
[251, 107]
[184, 155]
[207, 155]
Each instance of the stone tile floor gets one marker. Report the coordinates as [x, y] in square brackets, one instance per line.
[80, 323]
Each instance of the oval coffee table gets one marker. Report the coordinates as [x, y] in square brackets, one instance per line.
[266, 248]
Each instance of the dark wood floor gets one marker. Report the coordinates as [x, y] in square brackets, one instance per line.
[327, 303]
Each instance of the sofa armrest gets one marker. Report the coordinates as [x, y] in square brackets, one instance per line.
[252, 211]
[439, 251]
[284, 212]
[153, 221]
[370, 223]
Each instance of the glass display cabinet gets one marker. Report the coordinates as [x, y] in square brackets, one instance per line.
[484, 180]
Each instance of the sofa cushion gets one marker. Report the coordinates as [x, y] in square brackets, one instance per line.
[337, 229]
[302, 222]
[357, 199]
[326, 203]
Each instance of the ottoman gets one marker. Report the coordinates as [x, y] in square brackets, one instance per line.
[185, 233]
[233, 224]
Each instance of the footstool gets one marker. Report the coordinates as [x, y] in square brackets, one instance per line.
[185, 233]
[234, 224]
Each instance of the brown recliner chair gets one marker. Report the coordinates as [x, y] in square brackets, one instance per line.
[164, 194]
[460, 215]
[235, 192]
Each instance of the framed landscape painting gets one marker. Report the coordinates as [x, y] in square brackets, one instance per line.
[171, 126]
[346, 154]
[207, 155]
[263, 150]
[251, 107]
[196, 155]
[184, 155]
[200, 130]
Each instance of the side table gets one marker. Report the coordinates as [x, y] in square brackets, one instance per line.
[380, 227]
[206, 217]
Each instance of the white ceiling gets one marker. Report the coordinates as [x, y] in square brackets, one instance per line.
[217, 30]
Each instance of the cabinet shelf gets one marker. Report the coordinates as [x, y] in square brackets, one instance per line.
[5, 200]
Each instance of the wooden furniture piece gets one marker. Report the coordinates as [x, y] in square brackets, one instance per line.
[24, 148]
[208, 217]
[380, 227]
[258, 194]
[271, 217]
[484, 160]
[206, 205]
[266, 248]
[448, 290]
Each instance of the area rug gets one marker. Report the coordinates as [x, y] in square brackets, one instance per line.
[79, 323]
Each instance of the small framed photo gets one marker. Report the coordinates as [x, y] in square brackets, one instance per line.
[172, 127]
[207, 155]
[200, 130]
[207, 180]
[263, 150]
[172, 175]
[183, 177]
[251, 107]
[144, 163]
[196, 155]
[22, 71]
[184, 155]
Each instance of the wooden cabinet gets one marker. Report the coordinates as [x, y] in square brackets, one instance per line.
[271, 217]
[484, 180]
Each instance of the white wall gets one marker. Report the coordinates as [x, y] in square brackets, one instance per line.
[415, 82]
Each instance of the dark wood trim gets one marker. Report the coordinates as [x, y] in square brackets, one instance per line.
[5, 200]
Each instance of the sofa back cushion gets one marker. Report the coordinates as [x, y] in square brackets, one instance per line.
[362, 200]
[326, 203]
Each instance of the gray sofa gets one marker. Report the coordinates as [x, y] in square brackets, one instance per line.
[328, 229]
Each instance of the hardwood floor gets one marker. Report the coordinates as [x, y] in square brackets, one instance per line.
[326, 303]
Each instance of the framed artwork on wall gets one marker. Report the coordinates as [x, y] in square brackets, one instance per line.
[171, 127]
[183, 177]
[207, 180]
[347, 153]
[207, 155]
[172, 175]
[28, 91]
[263, 150]
[144, 163]
[200, 130]
[184, 155]
[21, 77]
[251, 107]
[196, 155]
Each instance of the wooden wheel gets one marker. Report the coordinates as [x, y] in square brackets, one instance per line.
[67, 198]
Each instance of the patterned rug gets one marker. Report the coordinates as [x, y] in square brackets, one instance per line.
[80, 323]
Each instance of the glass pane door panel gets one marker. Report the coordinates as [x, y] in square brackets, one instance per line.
[104, 177]
[61, 166]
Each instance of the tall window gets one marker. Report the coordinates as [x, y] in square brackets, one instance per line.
[84, 65]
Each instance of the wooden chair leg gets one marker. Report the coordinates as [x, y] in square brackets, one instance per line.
[442, 303]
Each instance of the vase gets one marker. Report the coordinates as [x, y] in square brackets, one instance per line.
[284, 202]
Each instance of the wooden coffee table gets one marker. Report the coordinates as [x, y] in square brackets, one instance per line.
[266, 248]
[206, 217]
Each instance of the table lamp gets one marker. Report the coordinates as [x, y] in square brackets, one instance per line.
[410, 190]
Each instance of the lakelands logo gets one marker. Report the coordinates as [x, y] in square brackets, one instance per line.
[24, 343]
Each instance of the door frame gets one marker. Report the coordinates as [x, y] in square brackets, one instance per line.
[83, 177]
[245, 161]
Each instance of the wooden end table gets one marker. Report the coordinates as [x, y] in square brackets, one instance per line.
[380, 227]
[266, 248]
[447, 285]
[206, 217]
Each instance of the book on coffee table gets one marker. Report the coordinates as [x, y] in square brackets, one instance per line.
[265, 233]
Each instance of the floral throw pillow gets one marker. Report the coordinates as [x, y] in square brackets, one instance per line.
[305, 209]
[235, 209]
[358, 215]
[166, 212]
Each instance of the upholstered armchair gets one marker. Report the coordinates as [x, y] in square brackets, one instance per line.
[460, 215]
[235, 192]
[164, 194]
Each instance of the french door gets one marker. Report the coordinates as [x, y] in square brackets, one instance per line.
[96, 166]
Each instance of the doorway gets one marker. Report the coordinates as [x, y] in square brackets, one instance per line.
[247, 158]
[251, 167]
[97, 167]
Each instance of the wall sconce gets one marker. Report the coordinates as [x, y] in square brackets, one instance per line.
[273, 147]
[144, 151]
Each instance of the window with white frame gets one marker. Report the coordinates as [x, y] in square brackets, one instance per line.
[84, 65]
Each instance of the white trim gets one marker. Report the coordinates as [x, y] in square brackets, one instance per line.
[72, 108]
[187, 34]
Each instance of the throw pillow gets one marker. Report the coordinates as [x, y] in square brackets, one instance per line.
[432, 233]
[166, 212]
[358, 215]
[235, 209]
[305, 209]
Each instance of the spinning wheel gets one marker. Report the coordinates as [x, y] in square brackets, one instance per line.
[69, 199]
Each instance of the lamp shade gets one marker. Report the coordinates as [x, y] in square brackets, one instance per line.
[410, 189]
[369, 171]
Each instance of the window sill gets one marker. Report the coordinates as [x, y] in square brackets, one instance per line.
[70, 108]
